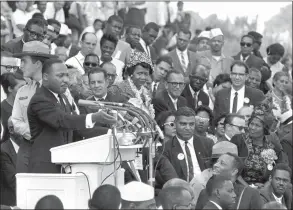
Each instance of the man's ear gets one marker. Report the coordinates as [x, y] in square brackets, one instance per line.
[45, 76]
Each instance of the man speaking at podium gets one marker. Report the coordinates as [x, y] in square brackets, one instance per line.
[51, 120]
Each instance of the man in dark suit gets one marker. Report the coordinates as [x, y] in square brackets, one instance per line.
[280, 182]
[149, 34]
[183, 59]
[171, 99]
[186, 151]
[221, 193]
[232, 168]
[162, 66]
[246, 54]
[50, 117]
[230, 100]
[9, 149]
[98, 84]
[193, 92]
[257, 43]
[33, 31]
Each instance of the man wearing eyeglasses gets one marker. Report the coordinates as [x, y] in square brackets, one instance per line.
[111, 72]
[171, 98]
[193, 92]
[91, 61]
[230, 100]
[33, 31]
[233, 124]
[246, 54]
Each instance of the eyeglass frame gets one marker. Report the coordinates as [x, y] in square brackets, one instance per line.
[206, 120]
[243, 44]
[91, 64]
[12, 68]
[175, 84]
[35, 33]
[241, 128]
[169, 123]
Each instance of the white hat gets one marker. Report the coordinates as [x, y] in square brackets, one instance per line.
[216, 32]
[205, 34]
[285, 116]
[137, 191]
[64, 30]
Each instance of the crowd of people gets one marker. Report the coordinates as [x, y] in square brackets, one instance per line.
[226, 119]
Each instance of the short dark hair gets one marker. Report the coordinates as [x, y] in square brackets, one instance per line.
[9, 80]
[98, 20]
[282, 167]
[166, 59]
[115, 18]
[221, 78]
[84, 35]
[255, 35]
[38, 15]
[238, 163]
[35, 21]
[162, 117]
[217, 120]
[249, 36]
[184, 111]
[215, 182]
[53, 21]
[97, 70]
[129, 28]
[149, 26]
[92, 55]
[110, 38]
[230, 117]
[206, 109]
[185, 31]
[105, 197]
[172, 72]
[48, 64]
[170, 196]
[240, 63]
[49, 202]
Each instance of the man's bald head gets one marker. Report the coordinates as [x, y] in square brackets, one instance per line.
[176, 182]
[49, 202]
[171, 196]
[88, 43]
[246, 112]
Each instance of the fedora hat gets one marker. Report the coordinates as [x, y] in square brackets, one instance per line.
[35, 48]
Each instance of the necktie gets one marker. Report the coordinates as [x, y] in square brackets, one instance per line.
[155, 89]
[63, 106]
[195, 100]
[38, 85]
[235, 100]
[183, 62]
[190, 164]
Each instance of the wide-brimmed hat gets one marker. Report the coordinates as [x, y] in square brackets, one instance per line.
[35, 48]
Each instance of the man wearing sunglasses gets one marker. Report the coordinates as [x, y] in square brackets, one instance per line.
[233, 124]
[33, 31]
[91, 61]
[246, 54]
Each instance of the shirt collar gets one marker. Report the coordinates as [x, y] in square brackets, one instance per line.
[15, 146]
[241, 91]
[227, 137]
[241, 57]
[278, 199]
[217, 205]
[179, 52]
[190, 141]
[80, 56]
[172, 99]
[55, 94]
[192, 91]
[141, 41]
[104, 97]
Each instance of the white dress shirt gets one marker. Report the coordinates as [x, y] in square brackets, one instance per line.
[240, 101]
[50, 12]
[196, 168]
[174, 101]
[274, 69]
[88, 120]
[242, 59]
[19, 17]
[279, 200]
[217, 205]
[15, 146]
[227, 137]
[185, 55]
[119, 68]
[153, 86]
[77, 62]
[104, 97]
[3, 94]
[145, 47]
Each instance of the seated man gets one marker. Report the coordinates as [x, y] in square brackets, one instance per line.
[49, 202]
[280, 181]
[111, 71]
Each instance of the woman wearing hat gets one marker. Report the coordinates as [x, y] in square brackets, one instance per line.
[261, 149]
[133, 88]
[275, 52]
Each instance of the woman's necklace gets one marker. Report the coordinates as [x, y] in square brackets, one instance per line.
[280, 99]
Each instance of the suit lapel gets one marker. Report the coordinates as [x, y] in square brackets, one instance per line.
[227, 100]
[189, 96]
[12, 152]
[177, 60]
[176, 151]
[198, 148]
[168, 100]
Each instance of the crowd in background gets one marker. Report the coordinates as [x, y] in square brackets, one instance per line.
[226, 119]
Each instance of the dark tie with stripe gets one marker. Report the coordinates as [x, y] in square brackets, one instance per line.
[61, 100]
[235, 100]
[155, 89]
[190, 164]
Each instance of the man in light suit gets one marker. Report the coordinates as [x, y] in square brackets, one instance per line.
[246, 54]
[183, 59]
[51, 120]
[171, 98]
[230, 100]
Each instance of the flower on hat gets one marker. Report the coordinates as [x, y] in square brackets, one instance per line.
[137, 57]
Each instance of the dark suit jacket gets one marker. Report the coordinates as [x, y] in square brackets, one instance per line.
[50, 126]
[193, 60]
[250, 198]
[8, 171]
[202, 147]
[252, 61]
[202, 96]
[266, 194]
[222, 99]
[210, 205]
[160, 88]
[13, 46]
[163, 102]
[287, 145]
[152, 51]
[99, 128]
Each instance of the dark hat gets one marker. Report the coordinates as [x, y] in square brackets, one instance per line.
[35, 48]
[276, 49]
